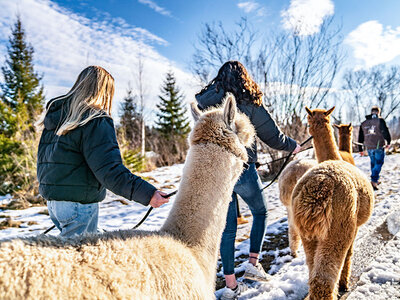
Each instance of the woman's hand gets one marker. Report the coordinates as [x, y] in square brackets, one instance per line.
[297, 150]
[157, 200]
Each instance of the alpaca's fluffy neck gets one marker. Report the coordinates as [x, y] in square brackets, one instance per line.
[345, 142]
[199, 213]
[324, 144]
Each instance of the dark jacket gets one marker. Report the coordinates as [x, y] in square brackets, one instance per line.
[265, 126]
[80, 165]
[373, 133]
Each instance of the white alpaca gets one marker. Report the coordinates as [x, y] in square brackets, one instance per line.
[177, 262]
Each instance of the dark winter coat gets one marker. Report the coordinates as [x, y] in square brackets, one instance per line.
[373, 133]
[80, 165]
[265, 126]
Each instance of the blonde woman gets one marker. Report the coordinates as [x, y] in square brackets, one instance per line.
[79, 157]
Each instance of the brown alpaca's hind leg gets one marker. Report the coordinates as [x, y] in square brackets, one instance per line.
[310, 246]
[346, 270]
[294, 237]
[328, 261]
[294, 240]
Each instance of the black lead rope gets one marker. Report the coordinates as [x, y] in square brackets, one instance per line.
[49, 229]
[285, 163]
[137, 225]
[284, 157]
[150, 209]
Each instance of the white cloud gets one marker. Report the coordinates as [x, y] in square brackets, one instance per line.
[305, 17]
[373, 44]
[154, 6]
[252, 7]
[65, 43]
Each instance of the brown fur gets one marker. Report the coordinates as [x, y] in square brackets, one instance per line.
[287, 181]
[296, 169]
[329, 203]
[345, 142]
[177, 262]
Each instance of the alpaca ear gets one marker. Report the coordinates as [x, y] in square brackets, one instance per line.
[230, 110]
[337, 126]
[327, 113]
[350, 125]
[308, 111]
[196, 113]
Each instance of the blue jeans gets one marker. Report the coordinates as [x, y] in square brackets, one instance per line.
[249, 188]
[73, 218]
[377, 157]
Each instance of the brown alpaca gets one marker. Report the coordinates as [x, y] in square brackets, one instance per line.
[329, 203]
[296, 169]
[287, 181]
[345, 139]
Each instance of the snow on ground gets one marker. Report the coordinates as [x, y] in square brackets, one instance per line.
[379, 280]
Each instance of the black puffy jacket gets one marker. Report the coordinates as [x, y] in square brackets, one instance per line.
[80, 165]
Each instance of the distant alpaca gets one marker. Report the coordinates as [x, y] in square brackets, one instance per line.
[345, 142]
[293, 172]
[329, 203]
[178, 262]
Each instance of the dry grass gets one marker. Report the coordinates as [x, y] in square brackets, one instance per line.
[7, 223]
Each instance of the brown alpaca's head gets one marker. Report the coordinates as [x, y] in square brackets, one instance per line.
[318, 119]
[344, 129]
[223, 126]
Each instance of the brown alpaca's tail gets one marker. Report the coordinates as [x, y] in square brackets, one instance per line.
[312, 205]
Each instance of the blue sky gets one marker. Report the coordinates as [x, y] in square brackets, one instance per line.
[67, 34]
[179, 22]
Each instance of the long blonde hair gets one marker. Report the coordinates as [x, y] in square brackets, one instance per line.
[90, 96]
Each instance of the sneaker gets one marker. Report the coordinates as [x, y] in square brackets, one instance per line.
[256, 272]
[233, 294]
[374, 185]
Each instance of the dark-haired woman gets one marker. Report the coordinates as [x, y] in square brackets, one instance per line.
[233, 77]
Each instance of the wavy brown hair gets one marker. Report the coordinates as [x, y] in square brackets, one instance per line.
[233, 77]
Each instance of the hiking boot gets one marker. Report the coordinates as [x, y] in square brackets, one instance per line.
[256, 272]
[374, 185]
[233, 294]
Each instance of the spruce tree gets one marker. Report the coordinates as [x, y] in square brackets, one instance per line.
[22, 93]
[130, 120]
[21, 102]
[172, 121]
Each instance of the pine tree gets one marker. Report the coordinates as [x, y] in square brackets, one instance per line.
[172, 120]
[22, 93]
[130, 120]
[21, 101]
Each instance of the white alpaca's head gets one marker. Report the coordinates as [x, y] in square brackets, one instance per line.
[223, 126]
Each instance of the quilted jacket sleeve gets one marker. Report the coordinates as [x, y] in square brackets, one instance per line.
[101, 151]
[269, 132]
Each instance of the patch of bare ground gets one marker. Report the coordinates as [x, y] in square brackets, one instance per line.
[9, 222]
[275, 246]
